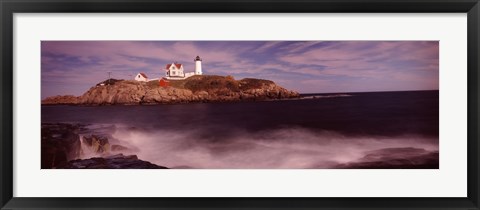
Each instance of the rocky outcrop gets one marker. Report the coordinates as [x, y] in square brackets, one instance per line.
[194, 89]
[118, 161]
[97, 144]
[117, 148]
[396, 158]
[66, 99]
[60, 143]
[62, 148]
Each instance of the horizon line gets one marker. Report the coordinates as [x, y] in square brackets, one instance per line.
[371, 91]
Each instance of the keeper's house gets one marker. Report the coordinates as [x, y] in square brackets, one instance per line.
[142, 77]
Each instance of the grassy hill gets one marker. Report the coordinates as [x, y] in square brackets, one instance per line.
[210, 83]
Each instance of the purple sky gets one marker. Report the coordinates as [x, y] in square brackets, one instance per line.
[72, 67]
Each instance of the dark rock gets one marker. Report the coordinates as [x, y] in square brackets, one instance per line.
[59, 144]
[118, 161]
[396, 158]
[116, 148]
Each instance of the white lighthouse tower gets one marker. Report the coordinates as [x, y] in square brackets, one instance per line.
[198, 65]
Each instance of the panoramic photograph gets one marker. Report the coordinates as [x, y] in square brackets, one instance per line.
[240, 105]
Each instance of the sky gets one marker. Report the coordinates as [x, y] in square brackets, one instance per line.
[72, 67]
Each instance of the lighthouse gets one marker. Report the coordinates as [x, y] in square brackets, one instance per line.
[198, 65]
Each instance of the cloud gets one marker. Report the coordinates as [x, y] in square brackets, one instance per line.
[339, 65]
[267, 46]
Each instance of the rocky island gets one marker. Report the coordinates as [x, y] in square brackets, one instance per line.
[198, 88]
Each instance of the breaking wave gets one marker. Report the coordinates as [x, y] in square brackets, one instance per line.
[283, 148]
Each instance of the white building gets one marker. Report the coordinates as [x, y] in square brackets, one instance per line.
[175, 71]
[141, 77]
[198, 65]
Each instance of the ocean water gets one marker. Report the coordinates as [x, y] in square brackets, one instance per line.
[316, 131]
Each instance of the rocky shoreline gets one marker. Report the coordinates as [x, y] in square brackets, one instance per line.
[196, 89]
[395, 158]
[73, 146]
[118, 161]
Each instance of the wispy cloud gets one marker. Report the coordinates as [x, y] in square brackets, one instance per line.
[71, 67]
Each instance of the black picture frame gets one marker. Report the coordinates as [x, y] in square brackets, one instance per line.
[10, 7]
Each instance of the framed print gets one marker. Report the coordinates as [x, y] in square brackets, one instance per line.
[239, 105]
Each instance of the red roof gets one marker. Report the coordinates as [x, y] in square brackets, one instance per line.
[178, 65]
[143, 75]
